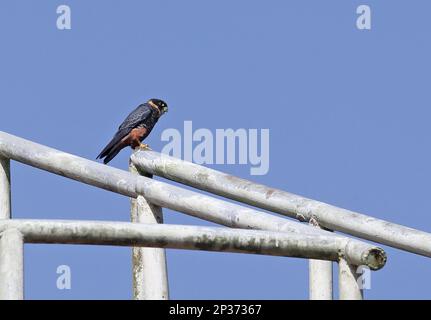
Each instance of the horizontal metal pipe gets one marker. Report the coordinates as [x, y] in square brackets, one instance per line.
[283, 202]
[175, 198]
[174, 236]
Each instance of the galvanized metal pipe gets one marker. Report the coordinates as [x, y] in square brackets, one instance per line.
[150, 277]
[320, 277]
[11, 264]
[175, 237]
[5, 203]
[348, 283]
[67, 165]
[283, 202]
[175, 198]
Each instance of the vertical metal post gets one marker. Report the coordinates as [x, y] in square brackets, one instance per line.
[320, 276]
[11, 265]
[150, 280]
[348, 281]
[5, 206]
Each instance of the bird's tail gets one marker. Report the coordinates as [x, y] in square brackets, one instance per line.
[113, 147]
[113, 152]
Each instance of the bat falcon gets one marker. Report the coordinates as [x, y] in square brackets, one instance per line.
[135, 128]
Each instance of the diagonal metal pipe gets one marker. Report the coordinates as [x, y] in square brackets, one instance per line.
[283, 202]
[175, 198]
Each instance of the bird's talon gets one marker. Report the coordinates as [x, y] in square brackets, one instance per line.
[144, 146]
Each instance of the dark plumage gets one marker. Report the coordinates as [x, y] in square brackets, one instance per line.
[135, 128]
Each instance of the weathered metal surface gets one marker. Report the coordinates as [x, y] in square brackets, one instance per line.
[176, 237]
[5, 203]
[236, 216]
[283, 202]
[348, 283]
[67, 165]
[150, 277]
[175, 198]
[11, 265]
[320, 277]
[320, 280]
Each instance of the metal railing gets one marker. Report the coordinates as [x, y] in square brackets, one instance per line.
[273, 235]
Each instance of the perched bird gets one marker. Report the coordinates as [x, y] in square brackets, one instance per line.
[135, 128]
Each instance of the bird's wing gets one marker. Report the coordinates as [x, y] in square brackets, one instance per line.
[136, 117]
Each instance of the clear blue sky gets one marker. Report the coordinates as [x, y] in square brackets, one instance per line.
[348, 113]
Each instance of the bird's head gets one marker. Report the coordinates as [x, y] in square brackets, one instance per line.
[160, 104]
